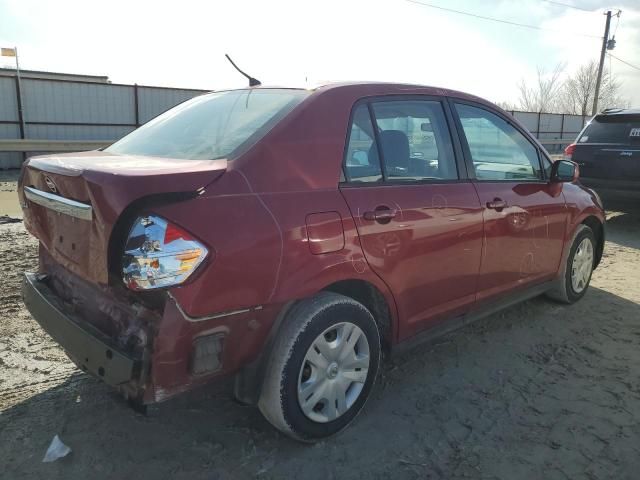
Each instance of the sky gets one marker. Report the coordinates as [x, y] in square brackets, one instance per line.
[306, 42]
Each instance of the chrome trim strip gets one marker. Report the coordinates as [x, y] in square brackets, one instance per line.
[215, 315]
[59, 204]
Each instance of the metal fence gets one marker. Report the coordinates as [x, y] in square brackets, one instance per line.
[554, 130]
[55, 109]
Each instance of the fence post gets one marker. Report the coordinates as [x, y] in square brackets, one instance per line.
[20, 114]
[562, 128]
[135, 104]
[538, 127]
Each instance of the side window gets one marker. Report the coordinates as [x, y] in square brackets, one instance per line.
[362, 163]
[415, 141]
[498, 150]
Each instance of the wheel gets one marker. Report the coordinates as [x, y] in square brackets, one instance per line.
[577, 269]
[322, 367]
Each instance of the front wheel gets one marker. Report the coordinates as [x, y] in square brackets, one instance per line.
[322, 367]
[578, 267]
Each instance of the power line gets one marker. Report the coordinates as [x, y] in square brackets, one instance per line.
[617, 23]
[499, 20]
[568, 6]
[625, 62]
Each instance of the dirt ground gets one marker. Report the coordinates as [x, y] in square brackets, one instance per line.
[538, 391]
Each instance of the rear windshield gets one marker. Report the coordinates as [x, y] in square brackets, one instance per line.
[612, 129]
[215, 125]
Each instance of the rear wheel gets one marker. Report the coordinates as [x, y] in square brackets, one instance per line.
[322, 367]
[578, 267]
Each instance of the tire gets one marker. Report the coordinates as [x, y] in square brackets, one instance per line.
[566, 290]
[299, 377]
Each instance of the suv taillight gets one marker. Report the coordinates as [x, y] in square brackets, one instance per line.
[568, 152]
[159, 254]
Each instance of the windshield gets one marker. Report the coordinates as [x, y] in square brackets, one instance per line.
[612, 129]
[215, 125]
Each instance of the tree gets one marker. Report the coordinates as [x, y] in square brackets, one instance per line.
[542, 96]
[551, 93]
[577, 93]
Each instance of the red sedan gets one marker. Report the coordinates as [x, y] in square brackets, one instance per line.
[289, 237]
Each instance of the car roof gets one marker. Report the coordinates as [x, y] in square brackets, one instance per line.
[368, 88]
[620, 111]
[396, 88]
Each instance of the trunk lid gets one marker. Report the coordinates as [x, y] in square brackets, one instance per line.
[99, 185]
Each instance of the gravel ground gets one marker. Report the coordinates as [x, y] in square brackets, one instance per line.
[538, 391]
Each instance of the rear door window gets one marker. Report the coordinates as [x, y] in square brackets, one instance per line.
[415, 141]
[621, 129]
[362, 163]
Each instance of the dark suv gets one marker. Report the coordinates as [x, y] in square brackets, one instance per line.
[608, 151]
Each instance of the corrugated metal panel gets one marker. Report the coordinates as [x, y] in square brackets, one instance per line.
[528, 119]
[8, 102]
[10, 159]
[49, 101]
[550, 122]
[573, 123]
[153, 101]
[76, 132]
[9, 130]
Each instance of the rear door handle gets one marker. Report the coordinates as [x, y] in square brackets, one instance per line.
[382, 215]
[497, 204]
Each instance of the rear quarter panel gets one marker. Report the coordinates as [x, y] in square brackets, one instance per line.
[260, 252]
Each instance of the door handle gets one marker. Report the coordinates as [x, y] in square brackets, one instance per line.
[497, 204]
[382, 215]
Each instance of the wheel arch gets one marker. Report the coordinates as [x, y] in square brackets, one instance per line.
[248, 381]
[374, 300]
[597, 227]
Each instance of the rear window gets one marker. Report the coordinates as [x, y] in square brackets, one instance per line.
[612, 129]
[215, 125]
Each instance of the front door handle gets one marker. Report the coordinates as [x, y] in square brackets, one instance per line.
[381, 215]
[497, 204]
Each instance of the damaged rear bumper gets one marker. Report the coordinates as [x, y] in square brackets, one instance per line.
[86, 346]
[147, 355]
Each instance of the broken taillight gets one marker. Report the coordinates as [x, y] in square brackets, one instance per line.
[159, 254]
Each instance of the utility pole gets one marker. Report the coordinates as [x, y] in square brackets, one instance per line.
[605, 39]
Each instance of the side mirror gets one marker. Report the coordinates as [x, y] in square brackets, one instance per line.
[564, 171]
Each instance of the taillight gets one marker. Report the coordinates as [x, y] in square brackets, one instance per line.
[159, 254]
[568, 152]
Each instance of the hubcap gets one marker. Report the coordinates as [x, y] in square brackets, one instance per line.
[333, 372]
[582, 265]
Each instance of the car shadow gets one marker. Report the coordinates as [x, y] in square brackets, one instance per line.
[623, 223]
[538, 390]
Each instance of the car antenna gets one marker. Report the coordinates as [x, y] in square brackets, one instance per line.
[252, 81]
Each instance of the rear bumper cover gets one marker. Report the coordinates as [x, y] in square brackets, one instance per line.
[87, 347]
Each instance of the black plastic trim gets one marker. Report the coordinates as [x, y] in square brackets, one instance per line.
[89, 349]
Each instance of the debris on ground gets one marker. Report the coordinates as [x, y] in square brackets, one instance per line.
[4, 219]
[56, 450]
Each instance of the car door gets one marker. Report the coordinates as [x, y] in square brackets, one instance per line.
[419, 222]
[524, 215]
